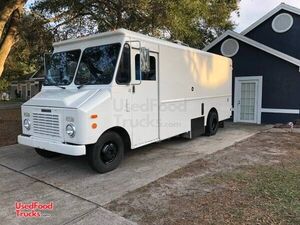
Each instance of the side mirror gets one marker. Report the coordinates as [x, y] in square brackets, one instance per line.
[145, 60]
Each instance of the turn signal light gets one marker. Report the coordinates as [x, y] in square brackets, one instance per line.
[94, 125]
[94, 116]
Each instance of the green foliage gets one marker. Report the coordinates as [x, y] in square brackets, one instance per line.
[194, 22]
[4, 84]
[26, 56]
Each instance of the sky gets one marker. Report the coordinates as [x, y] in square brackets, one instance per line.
[253, 10]
[250, 11]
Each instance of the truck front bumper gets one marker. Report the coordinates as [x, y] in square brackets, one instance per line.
[67, 149]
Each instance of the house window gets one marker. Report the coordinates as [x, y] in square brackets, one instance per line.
[230, 47]
[282, 23]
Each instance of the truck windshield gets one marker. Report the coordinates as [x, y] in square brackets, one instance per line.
[97, 65]
[60, 69]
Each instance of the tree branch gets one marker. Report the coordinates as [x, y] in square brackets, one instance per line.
[7, 12]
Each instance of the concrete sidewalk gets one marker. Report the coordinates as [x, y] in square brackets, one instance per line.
[79, 194]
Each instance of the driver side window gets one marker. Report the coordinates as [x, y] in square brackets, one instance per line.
[123, 75]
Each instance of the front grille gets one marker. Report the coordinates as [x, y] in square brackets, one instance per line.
[46, 124]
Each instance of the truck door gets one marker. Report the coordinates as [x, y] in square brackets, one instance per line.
[144, 104]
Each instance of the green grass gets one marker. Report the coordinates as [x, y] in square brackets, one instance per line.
[280, 188]
[275, 189]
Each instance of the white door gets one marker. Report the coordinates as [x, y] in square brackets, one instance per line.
[248, 92]
[144, 106]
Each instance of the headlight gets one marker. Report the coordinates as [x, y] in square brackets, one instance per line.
[70, 130]
[27, 124]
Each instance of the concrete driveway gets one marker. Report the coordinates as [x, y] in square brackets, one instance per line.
[79, 194]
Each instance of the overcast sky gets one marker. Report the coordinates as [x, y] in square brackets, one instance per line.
[252, 10]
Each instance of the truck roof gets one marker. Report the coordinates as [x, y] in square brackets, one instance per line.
[125, 32]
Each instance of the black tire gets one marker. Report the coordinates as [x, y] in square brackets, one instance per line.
[47, 154]
[107, 154]
[212, 123]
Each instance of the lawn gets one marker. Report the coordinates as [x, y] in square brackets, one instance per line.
[256, 181]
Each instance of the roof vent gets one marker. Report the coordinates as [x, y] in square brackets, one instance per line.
[230, 47]
[180, 43]
[282, 23]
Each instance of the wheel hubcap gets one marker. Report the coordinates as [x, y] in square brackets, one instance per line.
[109, 152]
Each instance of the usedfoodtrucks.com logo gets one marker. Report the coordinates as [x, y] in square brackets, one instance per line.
[33, 209]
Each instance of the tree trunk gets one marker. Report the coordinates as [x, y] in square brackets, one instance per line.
[8, 10]
[9, 14]
[9, 40]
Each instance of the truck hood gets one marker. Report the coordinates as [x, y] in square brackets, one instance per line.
[68, 98]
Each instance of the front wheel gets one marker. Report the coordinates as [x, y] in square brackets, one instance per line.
[212, 123]
[46, 154]
[107, 154]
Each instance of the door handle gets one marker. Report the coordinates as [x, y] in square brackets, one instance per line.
[133, 88]
[239, 102]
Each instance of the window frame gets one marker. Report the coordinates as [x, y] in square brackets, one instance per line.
[121, 57]
[141, 73]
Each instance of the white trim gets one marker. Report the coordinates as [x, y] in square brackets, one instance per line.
[282, 6]
[237, 96]
[286, 29]
[236, 50]
[283, 111]
[216, 41]
[256, 45]
[192, 99]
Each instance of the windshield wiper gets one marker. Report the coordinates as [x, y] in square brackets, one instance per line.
[60, 86]
[80, 86]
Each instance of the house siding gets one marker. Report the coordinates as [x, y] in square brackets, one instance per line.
[287, 42]
[281, 79]
[271, 118]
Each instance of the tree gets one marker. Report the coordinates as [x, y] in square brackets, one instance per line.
[10, 14]
[4, 84]
[26, 56]
[192, 21]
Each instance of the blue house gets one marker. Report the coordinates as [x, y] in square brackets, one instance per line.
[266, 67]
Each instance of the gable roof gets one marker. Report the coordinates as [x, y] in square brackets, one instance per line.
[282, 6]
[254, 44]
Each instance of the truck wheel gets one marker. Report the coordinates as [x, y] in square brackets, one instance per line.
[107, 154]
[46, 154]
[212, 123]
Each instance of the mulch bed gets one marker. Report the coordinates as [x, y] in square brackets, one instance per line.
[10, 126]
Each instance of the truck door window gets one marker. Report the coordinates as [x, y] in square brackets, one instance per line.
[123, 76]
[151, 75]
[97, 65]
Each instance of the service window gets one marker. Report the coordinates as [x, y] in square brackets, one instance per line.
[151, 75]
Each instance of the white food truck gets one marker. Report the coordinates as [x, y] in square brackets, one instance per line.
[121, 90]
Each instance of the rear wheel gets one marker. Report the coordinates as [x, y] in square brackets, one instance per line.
[212, 123]
[46, 154]
[107, 154]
